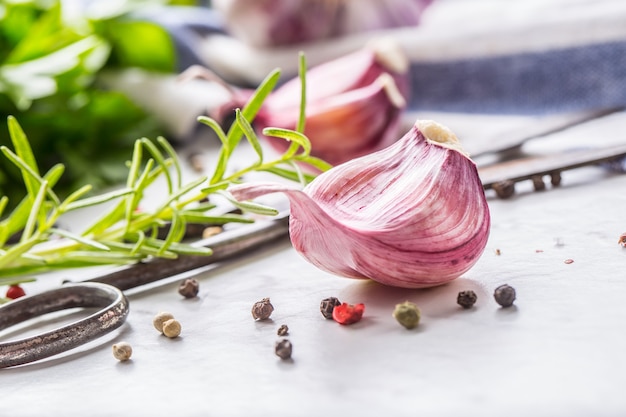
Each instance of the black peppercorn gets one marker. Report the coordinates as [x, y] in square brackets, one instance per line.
[283, 349]
[283, 330]
[504, 295]
[189, 288]
[328, 305]
[466, 299]
[262, 310]
[504, 189]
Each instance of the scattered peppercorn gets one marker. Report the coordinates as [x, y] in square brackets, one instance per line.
[348, 313]
[498, 252]
[504, 295]
[262, 310]
[283, 330]
[283, 349]
[161, 318]
[538, 183]
[407, 314]
[15, 291]
[328, 305]
[172, 328]
[569, 261]
[122, 351]
[211, 231]
[466, 299]
[504, 189]
[622, 240]
[196, 162]
[189, 288]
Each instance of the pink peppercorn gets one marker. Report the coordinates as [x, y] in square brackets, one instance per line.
[348, 313]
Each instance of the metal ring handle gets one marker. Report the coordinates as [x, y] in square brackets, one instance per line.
[112, 315]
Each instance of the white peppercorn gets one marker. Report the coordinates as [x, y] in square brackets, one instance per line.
[122, 351]
[172, 328]
[161, 318]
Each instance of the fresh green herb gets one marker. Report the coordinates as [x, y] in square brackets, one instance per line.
[52, 60]
[125, 233]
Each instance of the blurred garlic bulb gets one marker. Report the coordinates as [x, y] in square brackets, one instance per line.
[353, 104]
[265, 23]
[411, 215]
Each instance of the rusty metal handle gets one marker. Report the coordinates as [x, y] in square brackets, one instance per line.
[113, 313]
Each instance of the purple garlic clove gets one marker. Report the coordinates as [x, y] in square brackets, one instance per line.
[412, 215]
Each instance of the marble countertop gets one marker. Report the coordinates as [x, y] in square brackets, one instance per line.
[558, 352]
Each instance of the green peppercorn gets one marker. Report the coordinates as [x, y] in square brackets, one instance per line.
[407, 314]
[504, 295]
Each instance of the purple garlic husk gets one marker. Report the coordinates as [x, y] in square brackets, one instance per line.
[412, 215]
[271, 23]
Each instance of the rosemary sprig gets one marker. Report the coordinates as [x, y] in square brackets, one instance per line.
[125, 233]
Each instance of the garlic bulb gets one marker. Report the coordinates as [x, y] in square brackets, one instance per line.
[265, 23]
[353, 104]
[412, 215]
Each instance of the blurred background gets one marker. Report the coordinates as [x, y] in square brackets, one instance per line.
[85, 78]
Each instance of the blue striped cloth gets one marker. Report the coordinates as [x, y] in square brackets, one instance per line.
[470, 56]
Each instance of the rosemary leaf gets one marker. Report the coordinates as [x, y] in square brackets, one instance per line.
[302, 74]
[96, 200]
[249, 206]
[35, 213]
[181, 248]
[315, 162]
[212, 123]
[25, 154]
[250, 135]
[80, 239]
[191, 217]
[291, 136]
[174, 158]
[28, 172]
[290, 174]
[177, 228]
[142, 248]
[158, 157]
[3, 204]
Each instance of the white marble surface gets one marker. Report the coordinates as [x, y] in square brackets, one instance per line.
[558, 352]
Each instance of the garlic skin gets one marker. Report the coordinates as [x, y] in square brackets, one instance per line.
[267, 23]
[412, 215]
[353, 104]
